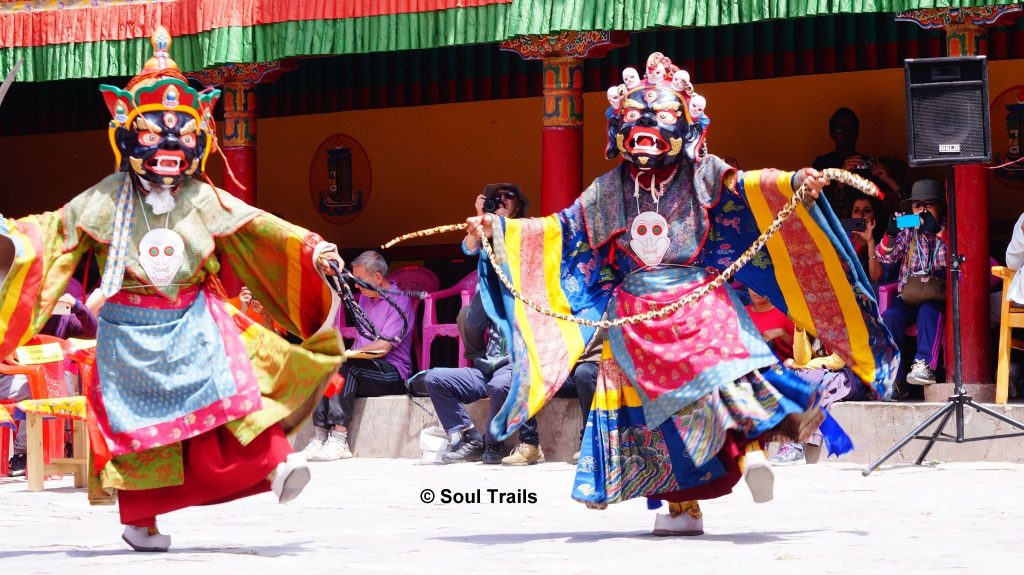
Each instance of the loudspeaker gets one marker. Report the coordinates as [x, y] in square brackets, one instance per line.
[947, 111]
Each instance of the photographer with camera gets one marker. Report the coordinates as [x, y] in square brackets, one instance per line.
[917, 243]
[505, 200]
[844, 128]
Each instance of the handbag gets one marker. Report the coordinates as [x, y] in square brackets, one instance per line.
[920, 289]
[925, 287]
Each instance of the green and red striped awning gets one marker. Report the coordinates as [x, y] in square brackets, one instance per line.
[102, 38]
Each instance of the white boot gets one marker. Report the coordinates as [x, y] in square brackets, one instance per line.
[146, 539]
[759, 476]
[682, 525]
[290, 477]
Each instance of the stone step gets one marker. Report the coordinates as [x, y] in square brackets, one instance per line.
[390, 427]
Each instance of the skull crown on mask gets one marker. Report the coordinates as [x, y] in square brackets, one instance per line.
[651, 124]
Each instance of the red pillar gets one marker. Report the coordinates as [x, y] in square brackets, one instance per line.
[237, 133]
[966, 36]
[238, 139]
[561, 171]
[972, 236]
[562, 142]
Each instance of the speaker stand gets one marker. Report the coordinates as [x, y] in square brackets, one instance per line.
[959, 400]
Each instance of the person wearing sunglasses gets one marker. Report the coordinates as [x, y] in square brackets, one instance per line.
[919, 248]
[844, 129]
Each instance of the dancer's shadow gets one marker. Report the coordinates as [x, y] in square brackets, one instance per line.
[596, 536]
[254, 550]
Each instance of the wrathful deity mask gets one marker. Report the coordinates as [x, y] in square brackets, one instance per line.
[161, 128]
[652, 126]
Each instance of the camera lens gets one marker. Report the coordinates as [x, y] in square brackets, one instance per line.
[491, 205]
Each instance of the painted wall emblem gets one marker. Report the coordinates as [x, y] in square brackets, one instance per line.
[340, 179]
[1007, 117]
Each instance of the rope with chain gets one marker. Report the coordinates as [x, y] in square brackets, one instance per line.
[364, 326]
[798, 198]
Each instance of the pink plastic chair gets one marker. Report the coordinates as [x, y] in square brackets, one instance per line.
[886, 293]
[410, 278]
[465, 288]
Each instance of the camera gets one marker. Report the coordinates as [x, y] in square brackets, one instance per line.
[866, 164]
[491, 204]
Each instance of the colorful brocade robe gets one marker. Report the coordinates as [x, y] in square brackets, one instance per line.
[669, 389]
[177, 361]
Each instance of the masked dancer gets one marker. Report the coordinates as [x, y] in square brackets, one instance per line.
[193, 399]
[681, 399]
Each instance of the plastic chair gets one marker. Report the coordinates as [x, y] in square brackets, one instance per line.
[415, 279]
[886, 293]
[45, 449]
[1011, 315]
[465, 288]
[6, 416]
[412, 278]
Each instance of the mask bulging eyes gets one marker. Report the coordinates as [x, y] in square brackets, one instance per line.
[168, 251]
[642, 231]
[154, 251]
[632, 115]
[148, 139]
[656, 230]
[188, 140]
[667, 117]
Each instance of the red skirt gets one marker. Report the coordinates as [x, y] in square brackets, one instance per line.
[217, 469]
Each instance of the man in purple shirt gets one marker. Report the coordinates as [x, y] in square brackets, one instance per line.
[383, 375]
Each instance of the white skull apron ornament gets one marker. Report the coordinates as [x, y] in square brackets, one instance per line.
[650, 237]
[160, 254]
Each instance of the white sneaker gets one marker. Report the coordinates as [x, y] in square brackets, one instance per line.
[335, 448]
[146, 539]
[682, 525]
[920, 373]
[312, 450]
[757, 472]
[290, 477]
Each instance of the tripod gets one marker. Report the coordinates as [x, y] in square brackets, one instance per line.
[955, 404]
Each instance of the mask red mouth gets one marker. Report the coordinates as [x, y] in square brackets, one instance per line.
[646, 141]
[167, 163]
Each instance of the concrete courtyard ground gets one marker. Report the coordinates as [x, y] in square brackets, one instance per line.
[366, 516]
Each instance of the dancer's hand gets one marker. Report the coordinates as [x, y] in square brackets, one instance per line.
[330, 254]
[813, 180]
[479, 226]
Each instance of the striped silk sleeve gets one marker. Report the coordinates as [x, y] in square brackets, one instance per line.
[812, 273]
[34, 272]
[550, 262]
[275, 260]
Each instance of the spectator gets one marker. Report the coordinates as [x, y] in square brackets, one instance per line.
[835, 382]
[450, 389]
[844, 128]
[384, 375]
[1015, 261]
[253, 309]
[774, 326]
[507, 201]
[70, 319]
[866, 241]
[491, 376]
[922, 256]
